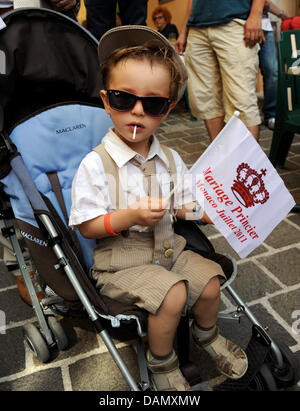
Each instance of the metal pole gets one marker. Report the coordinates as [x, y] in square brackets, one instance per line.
[253, 319]
[118, 360]
[35, 302]
[88, 306]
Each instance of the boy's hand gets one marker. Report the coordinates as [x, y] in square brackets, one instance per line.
[149, 210]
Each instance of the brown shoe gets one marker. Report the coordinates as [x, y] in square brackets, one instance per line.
[22, 287]
[229, 358]
[166, 375]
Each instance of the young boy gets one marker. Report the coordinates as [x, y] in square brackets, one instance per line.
[138, 258]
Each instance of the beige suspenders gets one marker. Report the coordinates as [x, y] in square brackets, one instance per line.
[112, 171]
[163, 231]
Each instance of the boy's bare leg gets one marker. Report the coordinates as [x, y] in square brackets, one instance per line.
[230, 359]
[214, 126]
[162, 359]
[162, 326]
[206, 308]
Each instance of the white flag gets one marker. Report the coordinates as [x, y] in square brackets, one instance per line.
[241, 191]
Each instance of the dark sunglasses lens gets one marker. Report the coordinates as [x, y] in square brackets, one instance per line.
[156, 106]
[121, 101]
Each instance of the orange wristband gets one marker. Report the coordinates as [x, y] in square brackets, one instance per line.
[107, 224]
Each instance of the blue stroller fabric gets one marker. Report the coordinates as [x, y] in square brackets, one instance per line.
[49, 101]
[46, 141]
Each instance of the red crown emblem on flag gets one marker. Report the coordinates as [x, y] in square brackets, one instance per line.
[249, 188]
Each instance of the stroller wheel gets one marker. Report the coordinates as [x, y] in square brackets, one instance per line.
[263, 380]
[290, 373]
[36, 342]
[58, 332]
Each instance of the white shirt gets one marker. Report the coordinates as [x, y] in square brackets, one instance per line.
[90, 190]
[266, 24]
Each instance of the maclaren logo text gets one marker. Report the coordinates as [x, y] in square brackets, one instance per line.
[34, 239]
[70, 128]
[248, 187]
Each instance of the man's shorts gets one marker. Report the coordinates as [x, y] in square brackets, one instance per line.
[222, 73]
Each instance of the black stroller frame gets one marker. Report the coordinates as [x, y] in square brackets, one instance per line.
[270, 366]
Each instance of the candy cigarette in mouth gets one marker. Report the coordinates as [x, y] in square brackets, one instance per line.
[134, 133]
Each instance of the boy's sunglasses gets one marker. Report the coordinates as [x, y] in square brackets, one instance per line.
[123, 101]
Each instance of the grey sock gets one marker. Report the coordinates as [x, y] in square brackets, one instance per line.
[203, 334]
[160, 357]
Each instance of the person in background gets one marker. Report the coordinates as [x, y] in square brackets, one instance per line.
[268, 63]
[101, 14]
[222, 41]
[162, 19]
[68, 7]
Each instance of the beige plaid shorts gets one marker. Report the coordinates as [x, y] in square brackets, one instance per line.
[140, 282]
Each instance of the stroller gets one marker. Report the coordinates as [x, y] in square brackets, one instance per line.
[51, 116]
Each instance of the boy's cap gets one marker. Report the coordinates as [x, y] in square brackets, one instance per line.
[128, 36]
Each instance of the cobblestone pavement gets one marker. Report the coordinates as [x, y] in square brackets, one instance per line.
[268, 281]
